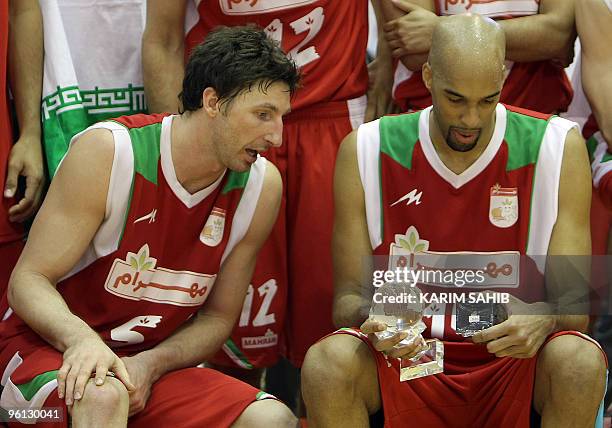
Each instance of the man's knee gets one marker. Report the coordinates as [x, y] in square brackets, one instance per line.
[340, 364]
[574, 360]
[111, 395]
[266, 413]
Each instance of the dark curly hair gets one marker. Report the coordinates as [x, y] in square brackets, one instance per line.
[233, 59]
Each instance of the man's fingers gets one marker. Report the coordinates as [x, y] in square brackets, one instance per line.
[101, 371]
[12, 174]
[62, 373]
[490, 333]
[70, 380]
[405, 5]
[500, 344]
[390, 342]
[409, 350]
[512, 351]
[399, 53]
[369, 327]
[79, 385]
[19, 212]
[122, 374]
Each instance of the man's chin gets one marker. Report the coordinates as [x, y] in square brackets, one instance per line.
[460, 147]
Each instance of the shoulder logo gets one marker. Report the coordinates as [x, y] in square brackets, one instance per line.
[212, 233]
[411, 196]
[503, 206]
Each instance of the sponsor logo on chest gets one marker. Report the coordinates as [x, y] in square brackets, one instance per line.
[500, 269]
[503, 206]
[137, 278]
[252, 7]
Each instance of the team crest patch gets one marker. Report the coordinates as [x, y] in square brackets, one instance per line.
[503, 206]
[212, 233]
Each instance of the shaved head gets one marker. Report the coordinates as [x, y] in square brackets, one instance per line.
[467, 44]
[465, 75]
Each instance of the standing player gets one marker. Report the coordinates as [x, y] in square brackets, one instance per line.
[327, 39]
[539, 43]
[455, 159]
[21, 54]
[593, 20]
[594, 24]
[84, 81]
[140, 258]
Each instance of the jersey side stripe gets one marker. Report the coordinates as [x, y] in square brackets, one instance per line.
[368, 159]
[246, 206]
[545, 194]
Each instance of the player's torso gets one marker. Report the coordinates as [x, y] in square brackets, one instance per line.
[326, 38]
[169, 254]
[484, 213]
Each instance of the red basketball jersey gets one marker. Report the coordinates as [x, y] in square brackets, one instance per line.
[503, 206]
[154, 260]
[326, 38]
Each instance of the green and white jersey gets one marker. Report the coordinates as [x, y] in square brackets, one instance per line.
[92, 67]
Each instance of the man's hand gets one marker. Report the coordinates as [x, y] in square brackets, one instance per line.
[141, 375]
[390, 345]
[410, 34]
[380, 75]
[88, 356]
[520, 336]
[25, 160]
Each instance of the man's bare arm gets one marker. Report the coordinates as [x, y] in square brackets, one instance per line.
[524, 332]
[163, 47]
[351, 244]
[202, 337]
[571, 235]
[552, 28]
[71, 213]
[25, 65]
[594, 21]
[408, 30]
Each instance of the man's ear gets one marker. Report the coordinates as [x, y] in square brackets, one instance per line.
[427, 75]
[210, 101]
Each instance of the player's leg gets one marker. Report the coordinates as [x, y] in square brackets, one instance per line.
[9, 254]
[339, 383]
[201, 397]
[102, 406]
[313, 138]
[251, 376]
[28, 367]
[266, 413]
[569, 383]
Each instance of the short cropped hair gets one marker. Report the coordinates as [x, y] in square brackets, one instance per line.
[233, 59]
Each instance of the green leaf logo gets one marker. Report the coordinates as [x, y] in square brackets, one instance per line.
[411, 242]
[133, 262]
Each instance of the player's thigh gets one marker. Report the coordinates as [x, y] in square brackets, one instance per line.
[196, 397]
